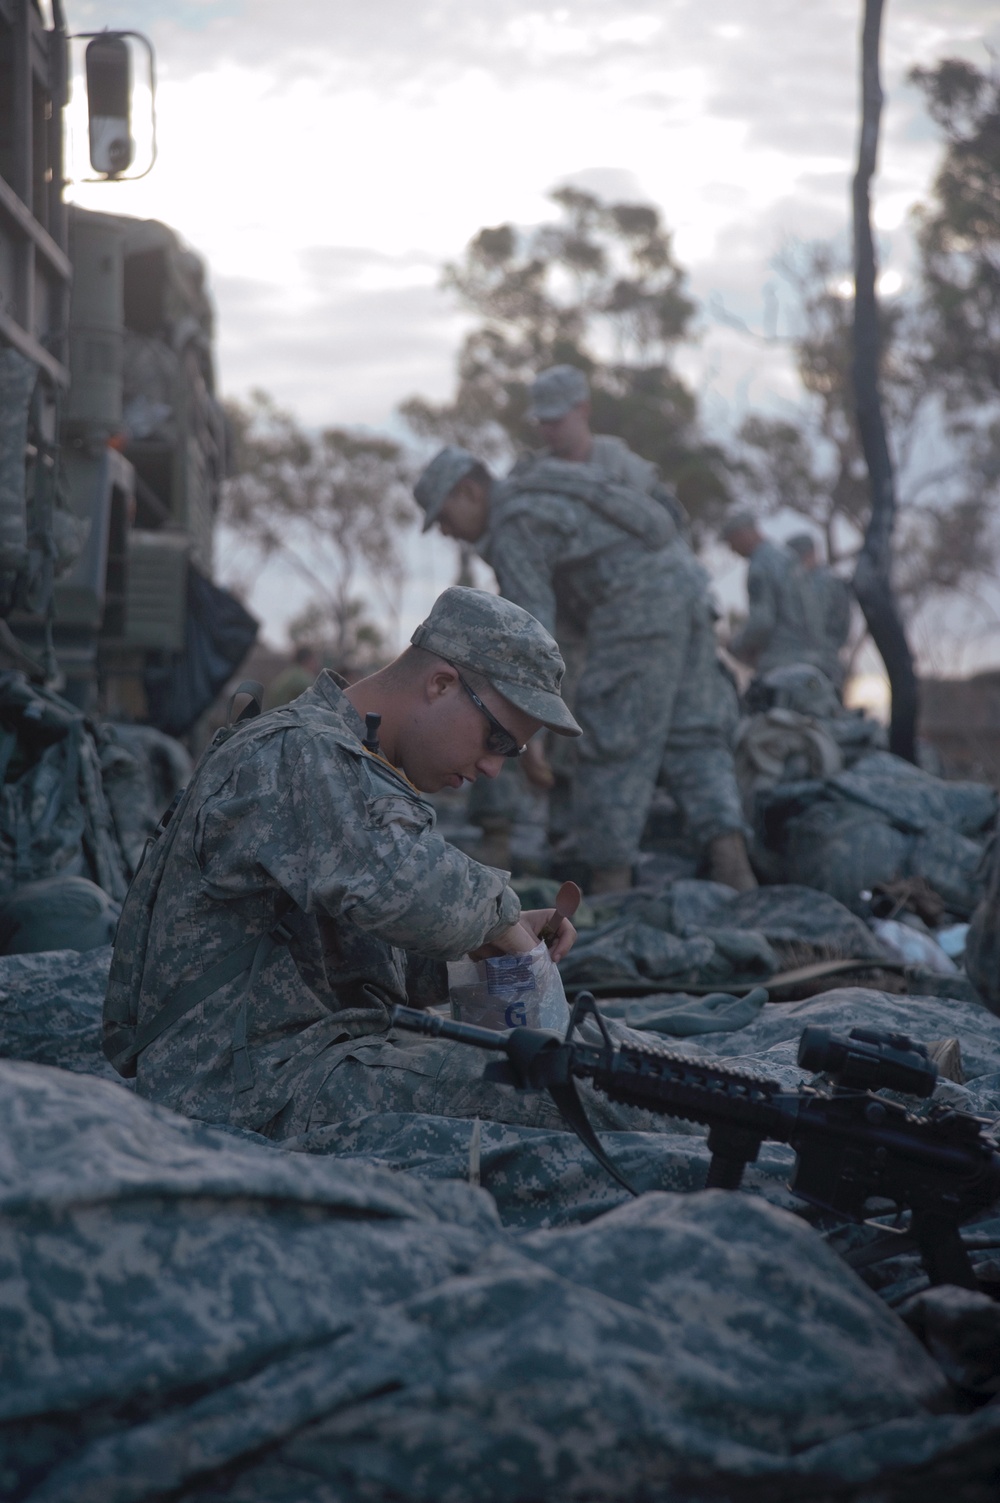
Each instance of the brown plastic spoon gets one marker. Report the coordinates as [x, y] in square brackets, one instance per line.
[568, 900]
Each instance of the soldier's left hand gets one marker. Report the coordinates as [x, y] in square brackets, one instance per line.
[564, 938]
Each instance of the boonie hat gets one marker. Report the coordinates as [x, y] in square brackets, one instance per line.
[802, 544]
[555, 391]
[440, 477]
[492, 636]
[737, 521]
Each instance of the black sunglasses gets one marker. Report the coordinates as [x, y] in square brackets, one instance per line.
[499, 741]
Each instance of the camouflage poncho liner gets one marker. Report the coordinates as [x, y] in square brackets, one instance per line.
[190, 1313]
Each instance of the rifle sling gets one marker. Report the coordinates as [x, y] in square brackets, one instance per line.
[570, 1107]
[252, 954]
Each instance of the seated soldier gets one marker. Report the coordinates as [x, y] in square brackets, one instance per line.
[295, 820]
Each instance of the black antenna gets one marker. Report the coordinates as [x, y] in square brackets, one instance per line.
[370, 740]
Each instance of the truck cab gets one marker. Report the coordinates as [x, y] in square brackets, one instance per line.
[112, 441]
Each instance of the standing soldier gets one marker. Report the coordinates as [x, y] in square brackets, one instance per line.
[834, 600]
[560, 405]
[601, 561]
[785, 620]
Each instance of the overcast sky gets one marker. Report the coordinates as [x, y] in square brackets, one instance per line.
[327, 156]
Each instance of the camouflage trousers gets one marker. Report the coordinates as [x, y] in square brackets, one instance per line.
[397, 1072]
[650, 703]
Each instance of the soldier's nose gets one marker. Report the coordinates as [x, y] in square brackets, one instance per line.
[490, 766]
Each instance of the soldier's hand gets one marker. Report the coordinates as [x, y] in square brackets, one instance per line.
[563, 932]
[525, 934]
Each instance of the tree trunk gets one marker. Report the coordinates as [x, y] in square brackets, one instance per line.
[873, 574]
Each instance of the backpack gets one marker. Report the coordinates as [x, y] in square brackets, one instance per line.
[123, 1040]
[54, 816]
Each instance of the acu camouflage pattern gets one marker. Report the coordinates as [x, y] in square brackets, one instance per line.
[555, 391]
[293, 807]
[438, 479]
[835, 598]
[507, 645]
[638, 629]
[785, 621]
[17, 382]
[613, 458]
[55, 818]
[879, 819]
[195, 1313]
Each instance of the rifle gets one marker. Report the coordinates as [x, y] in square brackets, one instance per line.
[851, 1146]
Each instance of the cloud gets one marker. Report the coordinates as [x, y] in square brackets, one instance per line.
[352, 354]
[327, 157]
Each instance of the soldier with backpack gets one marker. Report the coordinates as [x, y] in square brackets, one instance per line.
[300, 890]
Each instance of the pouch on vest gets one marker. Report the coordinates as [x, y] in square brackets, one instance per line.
[121, 1001]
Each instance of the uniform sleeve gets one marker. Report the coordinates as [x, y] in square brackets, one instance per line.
[758, 629]
[349, 840]
[524, 552]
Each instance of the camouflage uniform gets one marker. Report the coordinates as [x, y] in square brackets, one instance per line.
[293, 807]
[292, 819]
[599, 561]
[785, 619]
[835, 604]
[613, 458]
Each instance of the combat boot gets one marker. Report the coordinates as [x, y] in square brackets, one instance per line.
[728, 862]
[610, 879]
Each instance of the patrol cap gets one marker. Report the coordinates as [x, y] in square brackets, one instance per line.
[802, 544]
[492, 636]
[737, 521]
[555, 391]
[440, 477]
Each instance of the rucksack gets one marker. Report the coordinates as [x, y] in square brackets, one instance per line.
[54, 816]
[123, 1039]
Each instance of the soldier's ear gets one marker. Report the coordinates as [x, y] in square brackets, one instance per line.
[441, 681]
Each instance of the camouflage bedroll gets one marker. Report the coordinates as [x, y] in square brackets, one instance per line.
[412, 1307]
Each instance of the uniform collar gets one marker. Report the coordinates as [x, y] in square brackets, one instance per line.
[330, 688]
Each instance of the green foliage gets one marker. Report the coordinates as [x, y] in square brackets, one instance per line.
[811, 462]
[330, 506]
[597, 288]
[959, 232]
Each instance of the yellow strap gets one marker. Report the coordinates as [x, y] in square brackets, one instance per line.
[379, 757]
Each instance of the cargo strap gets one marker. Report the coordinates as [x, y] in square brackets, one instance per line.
[250, 956]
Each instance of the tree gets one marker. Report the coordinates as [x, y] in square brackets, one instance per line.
[598, 288]
[810, 461]
[873, 583]
[938, 370]
[331, 506]
[959, 232]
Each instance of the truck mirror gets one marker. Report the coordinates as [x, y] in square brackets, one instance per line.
[109, 104]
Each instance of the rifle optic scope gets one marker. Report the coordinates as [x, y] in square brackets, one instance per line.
[867, 1059]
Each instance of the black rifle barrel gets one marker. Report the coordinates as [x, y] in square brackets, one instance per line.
[412, 1020]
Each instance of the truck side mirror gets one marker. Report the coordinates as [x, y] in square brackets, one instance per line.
[109, 104]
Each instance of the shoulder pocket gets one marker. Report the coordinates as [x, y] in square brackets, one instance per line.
[390, 796]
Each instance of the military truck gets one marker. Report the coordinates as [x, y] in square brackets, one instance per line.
[112, 442]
